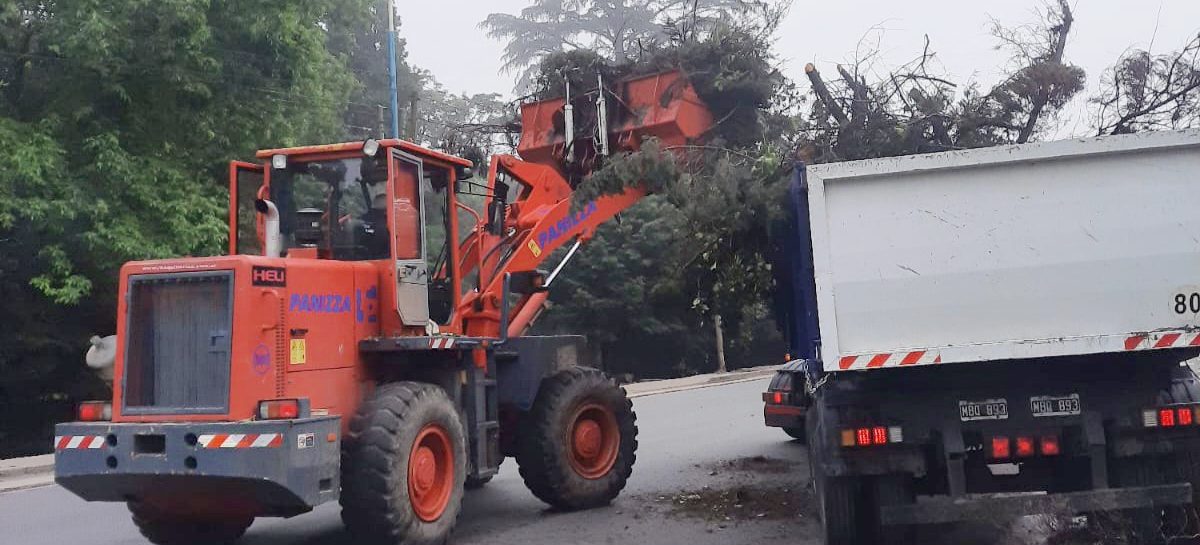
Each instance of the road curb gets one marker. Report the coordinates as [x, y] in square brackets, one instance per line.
[741, 377]
[26, 482]
[29, 472]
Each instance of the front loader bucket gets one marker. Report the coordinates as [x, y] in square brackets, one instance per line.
[662, 105]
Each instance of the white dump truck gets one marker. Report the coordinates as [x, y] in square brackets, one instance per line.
[997, 332]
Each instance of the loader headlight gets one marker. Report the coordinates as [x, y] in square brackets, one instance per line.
[370, 147]
[279, 162]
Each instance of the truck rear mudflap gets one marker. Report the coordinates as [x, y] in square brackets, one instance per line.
[268, 468]
[942, 509]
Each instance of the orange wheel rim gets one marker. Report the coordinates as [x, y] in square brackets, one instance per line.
[430, 473]
[594, 440]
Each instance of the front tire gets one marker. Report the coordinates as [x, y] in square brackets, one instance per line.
[576, 445]
[166, 528]
[404, 466]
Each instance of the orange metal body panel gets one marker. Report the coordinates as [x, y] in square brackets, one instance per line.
[307, 332]
[355, 147]
[663, 106]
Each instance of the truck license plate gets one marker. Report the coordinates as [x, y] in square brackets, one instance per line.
[1054, 405]
[988, 409]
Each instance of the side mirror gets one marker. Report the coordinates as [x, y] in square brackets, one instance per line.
[497, 208]
[495, 219]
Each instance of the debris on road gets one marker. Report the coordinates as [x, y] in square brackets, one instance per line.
[740, 503]
[741, 494]
[756, 464]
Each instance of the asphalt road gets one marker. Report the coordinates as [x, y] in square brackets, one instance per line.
[707, 472]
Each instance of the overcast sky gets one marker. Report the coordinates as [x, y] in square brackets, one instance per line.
[443, 36]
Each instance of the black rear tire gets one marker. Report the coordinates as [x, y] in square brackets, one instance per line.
[885, 490]
[1141, 526]
[798, 433]
[167, 528]
[375, 498]
[840, 500]
[543, 452]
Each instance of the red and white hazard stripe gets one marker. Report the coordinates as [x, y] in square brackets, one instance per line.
[66, 442]
[441, 343]
[892, 359]
[1162, 339]
[241, 440]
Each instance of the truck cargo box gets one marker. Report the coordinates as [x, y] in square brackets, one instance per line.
[1061, 248]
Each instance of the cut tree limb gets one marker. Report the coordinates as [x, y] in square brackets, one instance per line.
[822, 91]
[1058, 46]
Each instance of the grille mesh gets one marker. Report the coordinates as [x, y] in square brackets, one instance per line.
[178, 343]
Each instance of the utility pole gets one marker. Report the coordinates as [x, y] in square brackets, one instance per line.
[720, 343]
[392, 75]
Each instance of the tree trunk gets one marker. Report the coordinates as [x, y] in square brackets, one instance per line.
[720, 343]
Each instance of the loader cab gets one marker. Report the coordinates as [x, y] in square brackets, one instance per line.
[383, 202]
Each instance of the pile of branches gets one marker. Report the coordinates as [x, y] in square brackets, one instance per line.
[728, 186]
[732, 71]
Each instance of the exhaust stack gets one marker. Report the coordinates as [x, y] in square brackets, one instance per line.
[271, 227]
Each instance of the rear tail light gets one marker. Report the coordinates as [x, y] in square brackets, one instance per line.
[1049, 445]
[1170, 417]
[1024, 447]
[279, 409]
[777, 398]
[95, 411]
[1000, 447]
[872, 436]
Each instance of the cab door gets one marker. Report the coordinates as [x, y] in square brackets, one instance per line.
[245, 181]
[406, 218]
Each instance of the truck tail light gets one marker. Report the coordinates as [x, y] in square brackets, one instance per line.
[781, 396]
[871, 436]
[1024, 447]
[1000, 447]
[1166, 418]
[1171, 417]
[1050, 445]
[95, 411]
[279, 409]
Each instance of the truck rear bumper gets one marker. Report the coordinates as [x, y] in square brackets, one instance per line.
[976, 507]
[271, 468]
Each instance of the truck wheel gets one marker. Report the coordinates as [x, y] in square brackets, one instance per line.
[403, 466]
[165, 528]
[797, 433]
[576, 445]
[840, 499]
[888, 490]
[1142, 526]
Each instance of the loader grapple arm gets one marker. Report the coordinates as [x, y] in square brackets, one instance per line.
[542, 218]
